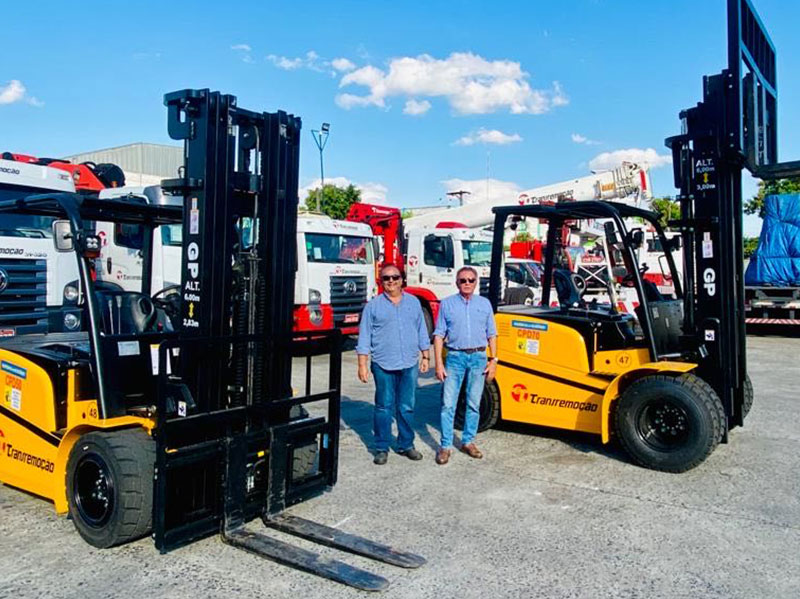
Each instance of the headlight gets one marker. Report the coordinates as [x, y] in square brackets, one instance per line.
[72, 322]
[315, 316]
[70, 293]
[314, 297]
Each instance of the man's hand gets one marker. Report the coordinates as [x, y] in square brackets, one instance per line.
[424, 364]
[491, 368]
[441, 373]
[363, 373]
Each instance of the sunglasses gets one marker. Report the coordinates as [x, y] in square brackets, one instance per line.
[465, 281]
[390, 278]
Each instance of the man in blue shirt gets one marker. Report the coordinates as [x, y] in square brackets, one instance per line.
[393, 332]
[466, 327]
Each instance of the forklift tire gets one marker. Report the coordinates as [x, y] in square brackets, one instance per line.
[489, 409]
[748, 396]
[110, 486]
[305, 461]
[669, 423]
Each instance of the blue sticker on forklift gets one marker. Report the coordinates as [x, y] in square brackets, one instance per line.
[524, 324]
[17, 371]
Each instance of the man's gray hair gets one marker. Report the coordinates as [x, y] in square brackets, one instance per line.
[386, 267]
[467, 269]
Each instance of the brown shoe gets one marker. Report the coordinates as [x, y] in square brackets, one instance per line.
[472, 451]
[442, 456]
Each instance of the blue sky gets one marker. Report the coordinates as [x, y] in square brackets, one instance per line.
[421, 97]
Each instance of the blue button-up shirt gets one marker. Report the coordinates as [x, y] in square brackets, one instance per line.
[393, 334]
[465, 323]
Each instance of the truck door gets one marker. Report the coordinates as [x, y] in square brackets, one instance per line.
[437, 264]
[120, 261]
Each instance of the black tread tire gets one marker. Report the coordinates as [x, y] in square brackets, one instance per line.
[747, 403]
[305, 461]
[130, 456]
[701, 406]
[426, 314]
[489, 410]
[518, 296]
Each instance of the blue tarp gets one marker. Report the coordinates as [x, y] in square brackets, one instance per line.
[777, 259]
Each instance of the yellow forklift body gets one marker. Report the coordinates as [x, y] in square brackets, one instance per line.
[546, 375]
[33, 449]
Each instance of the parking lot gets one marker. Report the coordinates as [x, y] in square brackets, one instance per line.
[545, 514]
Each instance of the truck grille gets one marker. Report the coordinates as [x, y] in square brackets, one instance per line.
[23, 300]
[347, 301]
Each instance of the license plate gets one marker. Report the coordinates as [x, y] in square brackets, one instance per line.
[351, 318]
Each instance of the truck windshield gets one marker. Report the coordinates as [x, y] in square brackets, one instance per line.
[23, 225]
[341, 249]
[477, 253]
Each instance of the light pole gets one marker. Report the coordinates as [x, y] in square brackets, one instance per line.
[321, 138]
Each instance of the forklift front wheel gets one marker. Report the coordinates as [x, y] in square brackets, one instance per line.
[489, 409]
[110, 486]
[670, 423]
[748, 396]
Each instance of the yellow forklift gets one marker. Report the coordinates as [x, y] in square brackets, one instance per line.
[671, 381]
[174, 415]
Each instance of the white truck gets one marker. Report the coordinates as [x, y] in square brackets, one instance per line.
[335, 264]
[37, 290]
[335, 273]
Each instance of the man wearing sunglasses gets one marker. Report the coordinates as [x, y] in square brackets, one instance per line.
[393, 333]
[466, 327]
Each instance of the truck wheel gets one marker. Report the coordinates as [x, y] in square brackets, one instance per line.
[748, 396]
[305, 461]
[519, 296]
[489, 409]
[669, 423]
[110, 486]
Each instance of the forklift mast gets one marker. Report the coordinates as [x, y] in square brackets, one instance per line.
[734, 127]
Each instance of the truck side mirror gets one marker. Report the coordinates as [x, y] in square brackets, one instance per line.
[62, 236]
[675, 243]
[636, 238]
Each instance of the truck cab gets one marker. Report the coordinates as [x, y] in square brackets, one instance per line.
[35, 291]
[335, 273]
[434, 255]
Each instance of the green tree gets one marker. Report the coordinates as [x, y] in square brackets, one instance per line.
[336, 201]
[756, 205]
[667, 209]
[749, 246]
[406, 213]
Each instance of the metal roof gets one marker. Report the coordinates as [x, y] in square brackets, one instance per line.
[156, 160]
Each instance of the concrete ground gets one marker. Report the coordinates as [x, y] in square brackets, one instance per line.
[543, 515]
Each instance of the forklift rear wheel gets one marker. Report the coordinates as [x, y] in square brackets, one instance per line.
[748, 396]
[110, 486]
[670, 423]
[489, 409]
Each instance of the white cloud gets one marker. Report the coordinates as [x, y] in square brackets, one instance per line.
[416, 108]
[342, 64]
[488, 136]
[311, 61]
[470, 83]
[242, 47]
[582, 139]
[483, 189]
[610, 160]
[15, 91]
[371, 193]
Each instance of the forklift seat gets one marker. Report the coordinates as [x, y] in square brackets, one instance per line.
[126, 312]
[568, 293]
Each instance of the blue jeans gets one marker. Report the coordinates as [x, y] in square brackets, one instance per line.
[394, 397]
[460, 365]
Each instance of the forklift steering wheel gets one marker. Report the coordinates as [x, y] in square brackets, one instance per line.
[627, 280]
[168, 300]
